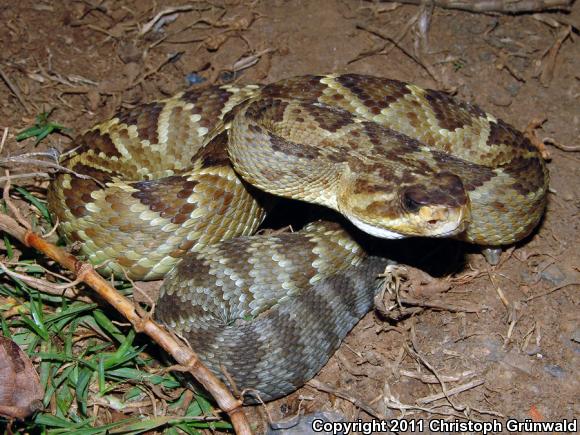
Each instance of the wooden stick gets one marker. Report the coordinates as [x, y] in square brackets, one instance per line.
[140, 321]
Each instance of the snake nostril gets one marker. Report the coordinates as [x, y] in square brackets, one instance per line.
[432, 221]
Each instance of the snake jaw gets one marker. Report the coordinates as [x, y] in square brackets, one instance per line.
[375, 230]
[430, 221]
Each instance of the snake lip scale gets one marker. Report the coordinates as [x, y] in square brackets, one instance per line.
[174, 189]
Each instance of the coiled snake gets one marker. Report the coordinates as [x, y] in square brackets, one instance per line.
[170, 180]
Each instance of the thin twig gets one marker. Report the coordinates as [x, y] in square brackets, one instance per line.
[451, 391]
[552, 290]
[390, 402]
[383, 51]
[568, 149]
[14, 89]
[416, 354]
[27, 175]
[438, 305]
[167, 11]
[6, 197]
[3, 140]
[356, 402]
[548, 64]
[154, 70]
[429, 379]
[65, 290]
[396, 43]
[18, 264]
[499, 6]
[24, 159]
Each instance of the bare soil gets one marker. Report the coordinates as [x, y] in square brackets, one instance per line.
[516, 334]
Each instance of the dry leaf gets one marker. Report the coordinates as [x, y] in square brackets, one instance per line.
[20, 390]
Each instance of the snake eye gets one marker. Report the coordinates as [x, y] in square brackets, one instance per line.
[410, 204]
[413, 199]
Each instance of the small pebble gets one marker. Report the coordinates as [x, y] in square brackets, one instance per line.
[373, 358]
[554, 370]
[513, 88]
[194, 79]
[553, 274]
[129, 53]
[500, 99]
[228, 76]
[486, 56]
[519, 362]
[567, 196]
[302, 425]
[527, 277]
[533, 350]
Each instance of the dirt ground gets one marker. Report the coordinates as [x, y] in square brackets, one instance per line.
[510, 334]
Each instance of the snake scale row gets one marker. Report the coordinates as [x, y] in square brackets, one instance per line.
[184, 178]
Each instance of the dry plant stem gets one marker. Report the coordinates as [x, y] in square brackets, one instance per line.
[415, 354]
[451, 391]
[390, 402]
[568, 149]
[183, 355]
[438, 306]
[549, 59]
[552, 290]
[15, 211]
[430, 379]
[171, 10]
[3, 140]
[14, 90]
[356, 402]
[28, 175]
[48, 287]
[384, 51]
[24, 159]
[378, 32]
[501, 6]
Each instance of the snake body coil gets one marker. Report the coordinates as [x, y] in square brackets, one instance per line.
[269, 311]
[177, 178]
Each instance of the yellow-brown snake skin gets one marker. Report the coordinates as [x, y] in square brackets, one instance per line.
[178, 177]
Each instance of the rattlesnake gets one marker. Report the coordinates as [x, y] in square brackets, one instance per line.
[266, 312]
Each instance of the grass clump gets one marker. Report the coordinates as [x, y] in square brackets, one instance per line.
[97, 374]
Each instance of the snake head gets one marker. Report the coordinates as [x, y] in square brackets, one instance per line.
[438, 207]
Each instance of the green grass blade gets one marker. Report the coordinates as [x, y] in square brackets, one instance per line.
[41, 206]
[105, 323]
[82, 389]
